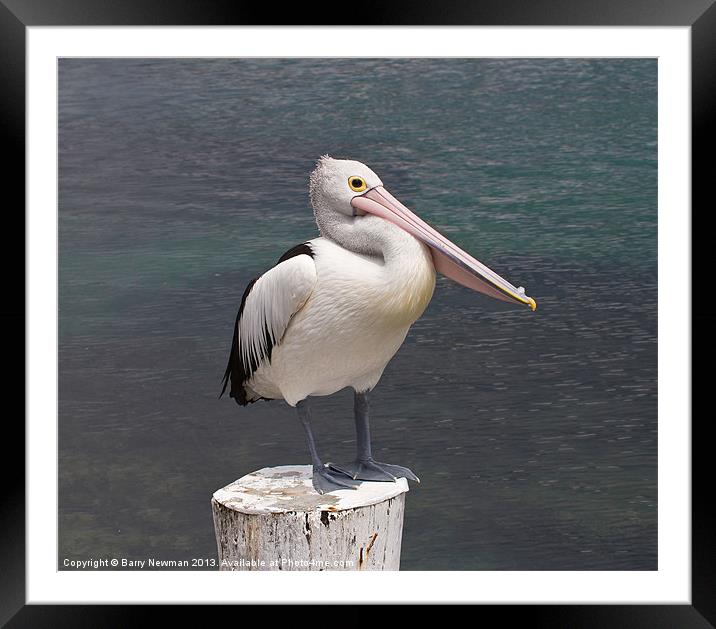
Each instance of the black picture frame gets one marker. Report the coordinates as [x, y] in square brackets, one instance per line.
[17, 15]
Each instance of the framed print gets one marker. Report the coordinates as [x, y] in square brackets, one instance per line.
[201, 187]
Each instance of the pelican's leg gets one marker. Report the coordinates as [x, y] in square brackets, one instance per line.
[323, 479]
[365, 467]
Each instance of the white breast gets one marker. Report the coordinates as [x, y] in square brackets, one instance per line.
[355, 320]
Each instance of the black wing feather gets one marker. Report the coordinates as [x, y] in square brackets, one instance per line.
[235, 370]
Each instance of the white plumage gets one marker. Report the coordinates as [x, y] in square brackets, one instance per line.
[355, 314]
[274, 298]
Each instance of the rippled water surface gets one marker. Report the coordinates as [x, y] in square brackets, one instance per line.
[535, 434]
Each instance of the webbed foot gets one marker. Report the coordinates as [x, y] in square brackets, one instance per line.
[368, 469]
[324, 480]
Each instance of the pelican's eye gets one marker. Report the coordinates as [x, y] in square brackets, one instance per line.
[357, 184]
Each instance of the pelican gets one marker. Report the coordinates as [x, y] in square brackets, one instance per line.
[334, 310]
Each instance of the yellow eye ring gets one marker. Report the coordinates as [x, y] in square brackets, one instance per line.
[357, 184]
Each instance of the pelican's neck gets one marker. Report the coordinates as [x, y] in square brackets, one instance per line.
[371, 236]
[404, 277]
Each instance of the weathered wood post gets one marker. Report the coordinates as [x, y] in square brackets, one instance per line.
[273, 519]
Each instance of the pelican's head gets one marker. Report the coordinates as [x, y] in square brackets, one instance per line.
[345, 192]
[336, 182]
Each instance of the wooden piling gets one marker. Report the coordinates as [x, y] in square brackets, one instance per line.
[273, 519]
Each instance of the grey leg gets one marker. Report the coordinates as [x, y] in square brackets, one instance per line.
[360, 412]
[323, 479]
[365, 467]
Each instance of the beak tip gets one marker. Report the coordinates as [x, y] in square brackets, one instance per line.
[533, 304]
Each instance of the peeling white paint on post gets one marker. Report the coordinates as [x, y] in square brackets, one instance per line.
[273, 519]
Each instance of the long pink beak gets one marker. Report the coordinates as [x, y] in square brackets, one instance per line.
[448, 258]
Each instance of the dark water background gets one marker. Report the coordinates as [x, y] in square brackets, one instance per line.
[535, 434]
